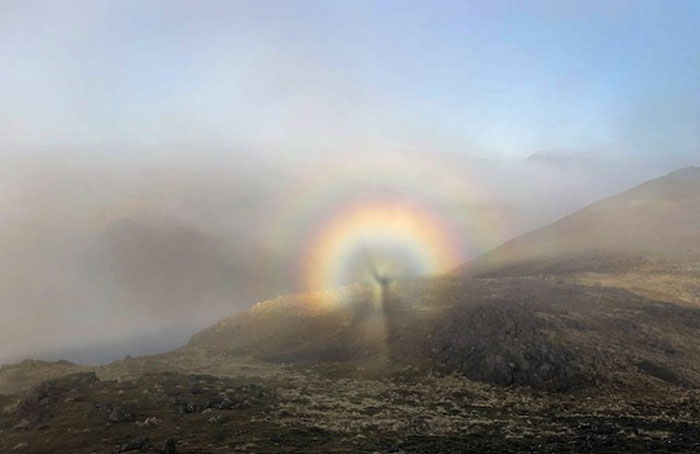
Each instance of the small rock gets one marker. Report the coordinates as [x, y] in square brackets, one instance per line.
[20, 446]
[218, 419]
[116, 412]
[22, 425]
[169, 447]
[151, 421]
[11, 408]
[136, 444]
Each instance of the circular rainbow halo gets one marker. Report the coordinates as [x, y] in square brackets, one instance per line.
[391, 239]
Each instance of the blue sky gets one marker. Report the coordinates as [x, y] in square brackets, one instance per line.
[490, 78]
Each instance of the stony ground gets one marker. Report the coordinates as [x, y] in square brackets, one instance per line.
[155, 405]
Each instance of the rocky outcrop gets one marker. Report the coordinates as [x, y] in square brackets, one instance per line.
[37, 406]
[22, 376]
[504, 344]
[205, 393]
[115, 412]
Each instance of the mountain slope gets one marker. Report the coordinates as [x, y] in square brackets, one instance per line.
[656, 221]
[603, 296]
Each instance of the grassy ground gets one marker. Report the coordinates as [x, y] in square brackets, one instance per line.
[262, 408]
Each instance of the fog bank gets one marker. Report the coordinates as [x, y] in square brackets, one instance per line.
[106, 244]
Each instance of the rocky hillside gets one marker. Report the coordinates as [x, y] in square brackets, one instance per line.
[25, 374]
[604, 295]
[271, 409]
[551, 334]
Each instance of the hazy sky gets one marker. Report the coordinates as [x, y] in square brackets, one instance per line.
[487, 77]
